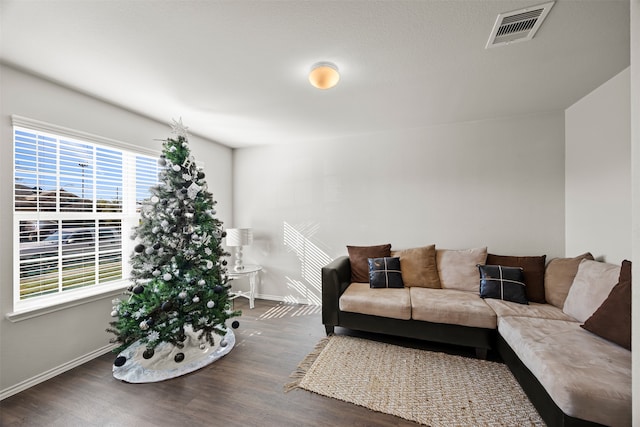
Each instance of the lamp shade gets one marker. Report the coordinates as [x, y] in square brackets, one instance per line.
[324, 75]
[239, 236]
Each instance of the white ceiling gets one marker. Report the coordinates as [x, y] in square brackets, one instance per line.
[236, 71]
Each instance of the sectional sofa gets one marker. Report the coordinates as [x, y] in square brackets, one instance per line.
[566, 340]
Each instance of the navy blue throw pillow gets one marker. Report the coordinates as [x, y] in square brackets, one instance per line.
[385, 273]
[505, 283]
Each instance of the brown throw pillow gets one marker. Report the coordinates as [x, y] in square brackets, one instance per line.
[419, 266]
[558, 277]
[359, 258]
[612, 320]
[533, 272]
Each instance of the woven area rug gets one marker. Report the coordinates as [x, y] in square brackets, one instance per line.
[431, 388]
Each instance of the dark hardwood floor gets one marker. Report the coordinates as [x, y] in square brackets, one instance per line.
[244, 388]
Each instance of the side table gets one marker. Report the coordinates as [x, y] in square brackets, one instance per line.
[251, 271]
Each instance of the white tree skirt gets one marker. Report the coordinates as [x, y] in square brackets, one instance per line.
[162, 366]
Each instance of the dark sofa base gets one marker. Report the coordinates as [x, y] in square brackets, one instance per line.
[479, 338]
[548, 410]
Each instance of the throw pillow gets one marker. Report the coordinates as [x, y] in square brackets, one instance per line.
[359, 256]
[385, 273]
[457, 268]
[419, 266]
[612, 320]
[532, 270]
[558, 278]
[505, 283]
[591, 286]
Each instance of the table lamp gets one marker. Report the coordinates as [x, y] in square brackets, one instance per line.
[237, 238]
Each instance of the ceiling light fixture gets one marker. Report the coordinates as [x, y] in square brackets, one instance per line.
[324, 75]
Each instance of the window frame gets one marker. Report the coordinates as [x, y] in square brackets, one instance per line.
[38, 305]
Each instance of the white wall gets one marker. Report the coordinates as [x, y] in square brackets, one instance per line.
[32, 348]
[635, 187]
[603, 177]
[598, 172]
[498, 183]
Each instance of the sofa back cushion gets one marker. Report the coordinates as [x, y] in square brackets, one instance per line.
[558, 277]
[419, 266]
[359, 259]
[591, 286]
[458, 269]
[612, 320]
[532, 270]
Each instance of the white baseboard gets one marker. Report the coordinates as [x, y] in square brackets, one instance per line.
[30, 382]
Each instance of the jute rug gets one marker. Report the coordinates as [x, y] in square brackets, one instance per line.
[431, 388]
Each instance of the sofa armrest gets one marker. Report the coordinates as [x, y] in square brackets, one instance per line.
[336, 277]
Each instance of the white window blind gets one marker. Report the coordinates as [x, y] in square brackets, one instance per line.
[75, 204]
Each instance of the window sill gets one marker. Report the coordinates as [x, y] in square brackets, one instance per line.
[77, 299]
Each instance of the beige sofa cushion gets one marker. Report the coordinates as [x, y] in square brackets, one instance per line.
[591, 286]
[384, 302]
[586, 376]
[451, 306]
[418, 266]
[612, 320]
[534, 309]
[558, 277]
[458, 269]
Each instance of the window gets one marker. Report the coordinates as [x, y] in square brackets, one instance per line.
[76, 200]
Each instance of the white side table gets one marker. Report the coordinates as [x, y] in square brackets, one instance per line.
[250, 271]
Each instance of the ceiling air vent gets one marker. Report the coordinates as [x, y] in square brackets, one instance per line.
[518, 26]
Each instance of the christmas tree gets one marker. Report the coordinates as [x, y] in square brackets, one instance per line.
[179, 277]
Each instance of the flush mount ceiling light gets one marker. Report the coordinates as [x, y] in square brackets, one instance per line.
[324, 75]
